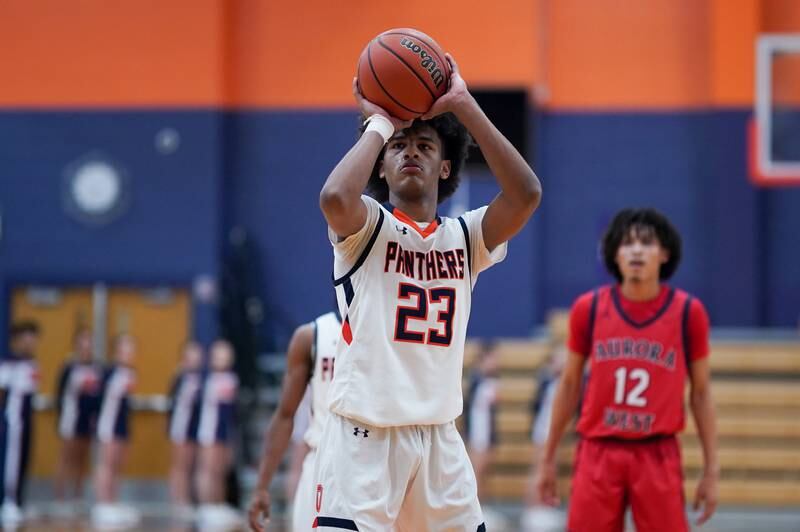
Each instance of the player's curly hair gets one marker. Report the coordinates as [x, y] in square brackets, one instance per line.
[456, 142]
[641, 219]
[19, 328]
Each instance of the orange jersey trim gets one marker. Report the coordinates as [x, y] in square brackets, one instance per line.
[406, 219]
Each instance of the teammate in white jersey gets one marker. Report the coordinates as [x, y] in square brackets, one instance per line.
[310, 363]
[390, 455]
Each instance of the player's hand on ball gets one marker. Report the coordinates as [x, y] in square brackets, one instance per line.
[368, 109]
[258, 512]
[457, 93]
[707, 496]
[546, 482]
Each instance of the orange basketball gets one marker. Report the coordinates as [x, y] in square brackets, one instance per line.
[404, 71]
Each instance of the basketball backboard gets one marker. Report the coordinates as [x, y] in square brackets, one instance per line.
[775, 131]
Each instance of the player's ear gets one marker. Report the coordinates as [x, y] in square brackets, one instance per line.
[663, 256]
[446, 168]
[381, 173]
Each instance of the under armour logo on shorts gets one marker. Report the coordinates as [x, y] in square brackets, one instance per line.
[357, 431]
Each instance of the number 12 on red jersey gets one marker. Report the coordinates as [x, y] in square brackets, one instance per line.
[634, 396]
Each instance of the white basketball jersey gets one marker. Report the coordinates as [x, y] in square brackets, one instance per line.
[405, 294]
[327, 331]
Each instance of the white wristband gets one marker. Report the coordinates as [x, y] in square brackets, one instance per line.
[380, 125]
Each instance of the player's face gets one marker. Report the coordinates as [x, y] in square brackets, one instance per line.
[83, 346]
[125, 350]
[640, 255]
[490, 362]
[26, 344]
[192, 356]
[221, 356]
[413, 163]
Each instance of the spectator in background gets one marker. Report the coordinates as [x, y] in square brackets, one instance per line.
[537, 516]
[77, 401]
[480, 422]
[112, 433]
[215, 436]
[19, 375]
[184, 417]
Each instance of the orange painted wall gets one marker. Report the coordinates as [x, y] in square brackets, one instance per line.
[734, 26]
[110, 53]
[780, 16]
[626, 54]
[286, 56]
[783, 16]
[577, 54]
[249, 53]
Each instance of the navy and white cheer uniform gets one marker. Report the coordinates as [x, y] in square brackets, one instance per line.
[184, 412]
[78, 399]
[112, 422]
[18, 383]
[218, 408]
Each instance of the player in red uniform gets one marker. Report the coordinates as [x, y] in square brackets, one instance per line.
[641, 339]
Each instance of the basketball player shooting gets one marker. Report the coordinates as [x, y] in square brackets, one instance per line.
[390, 454]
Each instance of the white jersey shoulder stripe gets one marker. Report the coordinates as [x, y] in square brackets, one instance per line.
[466, 242]
[364, 253]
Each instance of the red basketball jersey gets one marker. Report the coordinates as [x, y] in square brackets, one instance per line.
[637, 370]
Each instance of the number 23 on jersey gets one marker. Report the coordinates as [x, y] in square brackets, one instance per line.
[414, 305]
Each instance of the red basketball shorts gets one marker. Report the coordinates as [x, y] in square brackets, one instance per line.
[612, 474]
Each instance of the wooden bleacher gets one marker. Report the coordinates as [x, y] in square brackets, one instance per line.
[756, 387]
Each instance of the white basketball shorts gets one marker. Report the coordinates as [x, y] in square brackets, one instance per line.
[304, 498]
[409, 478]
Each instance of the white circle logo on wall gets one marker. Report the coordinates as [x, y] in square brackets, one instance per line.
[96, 187]
[95, 190]
[168, 141]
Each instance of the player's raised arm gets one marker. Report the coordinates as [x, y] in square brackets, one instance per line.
[276, 440]
[520, 189]
[340, 198]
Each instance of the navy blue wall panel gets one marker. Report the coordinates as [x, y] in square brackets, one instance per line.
[731, 218]
[263, 171]
[740, 255]
[594, 165]
[781, 279]
[170, 230]
[276, 165]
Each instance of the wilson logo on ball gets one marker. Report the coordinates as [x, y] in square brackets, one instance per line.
[428, 62]
[403, 71]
